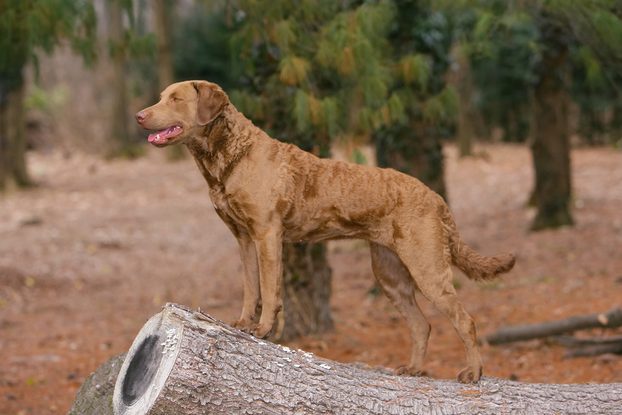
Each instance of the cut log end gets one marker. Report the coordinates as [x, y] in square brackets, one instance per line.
[148, 364]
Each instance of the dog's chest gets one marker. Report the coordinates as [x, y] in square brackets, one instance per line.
[230, 210]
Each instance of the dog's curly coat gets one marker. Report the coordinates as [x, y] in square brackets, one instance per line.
[268, 192]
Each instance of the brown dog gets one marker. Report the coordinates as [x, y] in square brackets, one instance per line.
[268, 192]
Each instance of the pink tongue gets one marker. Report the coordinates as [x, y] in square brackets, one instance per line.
[160, 137]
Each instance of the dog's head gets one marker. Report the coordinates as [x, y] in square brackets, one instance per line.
[183, 110]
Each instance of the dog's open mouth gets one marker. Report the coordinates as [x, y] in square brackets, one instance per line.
[163, 136]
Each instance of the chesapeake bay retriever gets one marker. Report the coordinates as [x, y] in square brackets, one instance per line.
[269, 192]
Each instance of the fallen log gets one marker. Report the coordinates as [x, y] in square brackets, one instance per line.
[186, 362]
[595, 350]
[593, 346]
[610, 319]
[570, 341]
[95, 394]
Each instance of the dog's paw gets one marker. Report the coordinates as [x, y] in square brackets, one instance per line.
[469, 375]
[261, 331]
[247, 326]
[410, 371]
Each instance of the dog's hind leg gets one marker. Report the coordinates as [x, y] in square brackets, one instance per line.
[433, 276]
[399, 286]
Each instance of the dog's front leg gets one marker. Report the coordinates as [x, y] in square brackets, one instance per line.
[269, 252]
[248, 254]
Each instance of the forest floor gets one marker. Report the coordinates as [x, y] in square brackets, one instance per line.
[99, 246]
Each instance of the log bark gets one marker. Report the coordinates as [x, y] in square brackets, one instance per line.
[590, 346]
[611, 319]
[595, 350]
[185, 362]
[95, 394]
[570, 341]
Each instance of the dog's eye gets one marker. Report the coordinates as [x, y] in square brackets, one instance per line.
[176, 99]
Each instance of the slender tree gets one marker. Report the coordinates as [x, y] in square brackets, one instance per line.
[119, 125]
[163, 12]
[163, 24]
[26, 27]
[462, 80]
[125, 45]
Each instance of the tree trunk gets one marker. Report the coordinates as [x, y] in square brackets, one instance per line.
[306, 290]
[4, 139]
[463, 82]
[414, 149]
[591, 127]
[551, 143]
[185, 362]
[13, 137]
[615, 126]
[119, 130]
[163, 23]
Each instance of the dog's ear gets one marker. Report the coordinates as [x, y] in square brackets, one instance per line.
[210, 104]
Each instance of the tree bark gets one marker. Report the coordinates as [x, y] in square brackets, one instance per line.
[610, 319]
[551, 142]
[95, 394]
[119, 130]
[13, 136]
[185, 362]
[615, 126]
[570, 341]
[462, 80]
[306, 290]
[593, 346]
[4, 139]
[163, 23]
[595, 349]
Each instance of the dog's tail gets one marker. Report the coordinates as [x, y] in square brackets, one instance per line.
[474, 265]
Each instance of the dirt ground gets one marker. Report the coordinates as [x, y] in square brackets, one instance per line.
[99, 246]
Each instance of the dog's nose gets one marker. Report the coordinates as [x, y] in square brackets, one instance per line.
[141, 116]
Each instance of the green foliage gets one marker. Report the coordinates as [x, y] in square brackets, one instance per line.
[314, 66]
[508, 41]
[46, 101]
[416, 70]
[441, 107]
[293, 70]
[504, 53]
[326, 70]
[28, 26]
[133, 45]
[201, 48]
